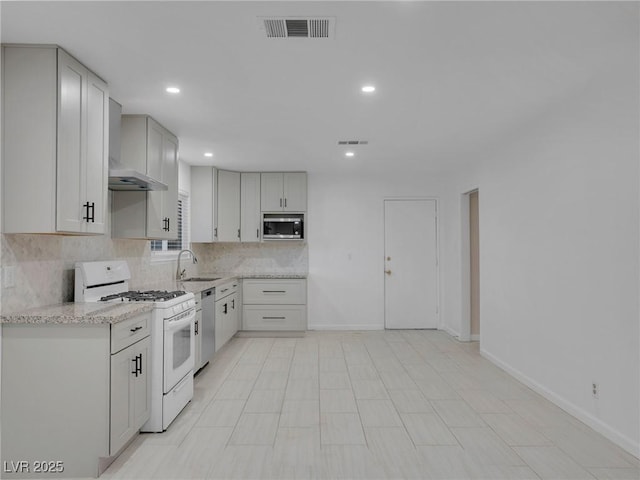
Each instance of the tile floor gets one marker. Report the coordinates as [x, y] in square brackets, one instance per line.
[368, 405]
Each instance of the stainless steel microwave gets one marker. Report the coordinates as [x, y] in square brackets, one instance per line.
[282, 226]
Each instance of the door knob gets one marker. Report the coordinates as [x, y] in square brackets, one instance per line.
[388, 272]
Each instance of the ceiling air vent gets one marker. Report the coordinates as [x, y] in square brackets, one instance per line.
[296, 27]
[353, 142]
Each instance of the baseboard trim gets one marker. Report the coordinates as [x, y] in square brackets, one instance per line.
[450, 331]
[345, 327]
[616, 437]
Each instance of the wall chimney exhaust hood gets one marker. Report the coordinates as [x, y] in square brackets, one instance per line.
[122, 177]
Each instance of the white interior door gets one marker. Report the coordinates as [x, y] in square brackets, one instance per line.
[411, 264]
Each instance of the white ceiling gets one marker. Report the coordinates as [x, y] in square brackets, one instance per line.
[452, 78]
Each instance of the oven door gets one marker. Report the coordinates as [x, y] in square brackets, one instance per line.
[179, 348]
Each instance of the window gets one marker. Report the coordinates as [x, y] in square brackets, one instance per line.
[166, 249]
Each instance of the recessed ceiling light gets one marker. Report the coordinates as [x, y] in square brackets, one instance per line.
[172, 90]
[208, 154]
[368, 89]
[349, 154]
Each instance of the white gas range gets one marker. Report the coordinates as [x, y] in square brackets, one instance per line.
[172, 334]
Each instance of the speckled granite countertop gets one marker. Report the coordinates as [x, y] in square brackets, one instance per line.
[200, 286]
[77, 313]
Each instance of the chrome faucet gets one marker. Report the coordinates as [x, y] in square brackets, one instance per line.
[180, 273]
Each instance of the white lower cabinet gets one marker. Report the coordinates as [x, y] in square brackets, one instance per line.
[274, 304]
[226, 320]
[130, 386]
[74, 394]
[197, 333]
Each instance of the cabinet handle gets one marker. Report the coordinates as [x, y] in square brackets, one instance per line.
[90, 214]
[257, 233]
[225, 308]
[133, 330]
[196, 328]
[137, 362]
[274, 291]
[215, 232]
[280, 203]
[273, 318]
[285, 203]
[224, 290]
[233, 304]
[238, 233]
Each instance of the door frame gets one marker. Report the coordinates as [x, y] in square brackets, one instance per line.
[384, 246]
[465, 266]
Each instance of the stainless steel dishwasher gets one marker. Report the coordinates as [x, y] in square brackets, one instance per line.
[207, 327]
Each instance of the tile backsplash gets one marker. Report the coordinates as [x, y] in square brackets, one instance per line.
[252, 258]
[44, 264]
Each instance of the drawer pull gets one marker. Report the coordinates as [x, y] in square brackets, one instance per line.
[224, 290]
[274, 291]
[133, 330]
[274, 318]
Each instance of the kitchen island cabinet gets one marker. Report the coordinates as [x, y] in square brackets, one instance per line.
[70, 369]
[54, 143]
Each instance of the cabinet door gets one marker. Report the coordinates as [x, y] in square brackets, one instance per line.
[250, 207]
[121, 419]
[72, 77]
[198, 340]
[96, 172]
[234, 317]
[202, 187]
[130, 392]
[141, 389]
[220, 322]
[170, 177]
[155, 199]
[228, 206]
[295, 192]
[271, 188]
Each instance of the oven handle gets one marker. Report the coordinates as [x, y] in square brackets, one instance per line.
[178, 324]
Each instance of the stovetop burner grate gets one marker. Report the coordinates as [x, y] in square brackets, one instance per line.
[146, 296]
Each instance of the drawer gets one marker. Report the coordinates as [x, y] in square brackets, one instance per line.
[226, 289]
[274, 317]
[274, 292]
[130, 331]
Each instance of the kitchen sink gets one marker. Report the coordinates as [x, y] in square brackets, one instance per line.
[201, 279]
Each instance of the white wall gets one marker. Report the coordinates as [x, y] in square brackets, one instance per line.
[559, 251]
[345, 233]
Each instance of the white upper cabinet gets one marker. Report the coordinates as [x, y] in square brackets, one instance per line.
[250, 218]
[150, 148]
[202, 204]
[228, 206]
[283, 192]
[55, 143]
